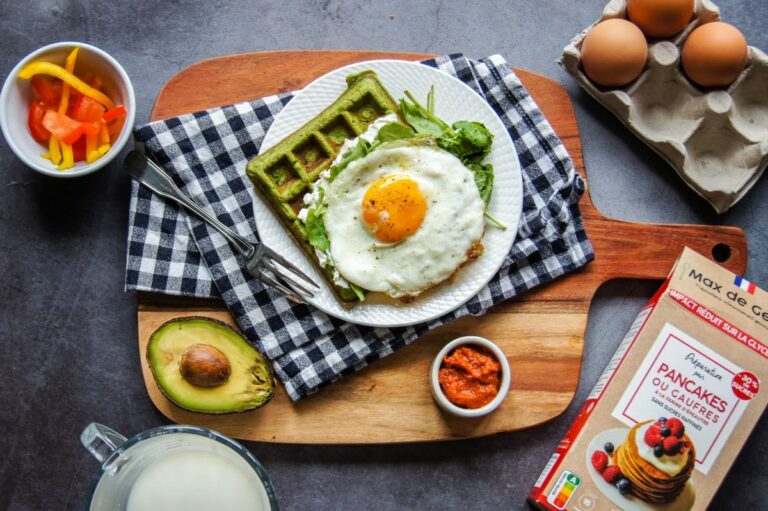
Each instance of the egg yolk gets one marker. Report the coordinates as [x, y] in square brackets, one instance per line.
[393, 208]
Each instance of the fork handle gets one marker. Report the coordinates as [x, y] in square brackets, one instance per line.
[151, 175]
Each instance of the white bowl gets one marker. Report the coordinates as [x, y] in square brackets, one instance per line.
[440, 398]
[16, 97]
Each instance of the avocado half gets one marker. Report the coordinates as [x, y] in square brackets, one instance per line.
[203, 365]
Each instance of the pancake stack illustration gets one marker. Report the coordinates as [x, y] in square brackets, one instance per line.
[657, 458]
[654, 463]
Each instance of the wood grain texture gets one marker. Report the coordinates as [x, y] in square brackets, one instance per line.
[542, 332]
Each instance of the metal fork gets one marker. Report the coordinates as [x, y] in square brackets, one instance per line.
[261, 261]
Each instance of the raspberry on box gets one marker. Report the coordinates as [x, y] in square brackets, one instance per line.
[611, 474]
[599, 461]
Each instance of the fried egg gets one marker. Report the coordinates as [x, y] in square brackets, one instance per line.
[403, 219]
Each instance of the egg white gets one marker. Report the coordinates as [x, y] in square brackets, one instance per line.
[453, 223]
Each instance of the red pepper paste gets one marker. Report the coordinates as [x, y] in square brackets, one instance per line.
[470, 376]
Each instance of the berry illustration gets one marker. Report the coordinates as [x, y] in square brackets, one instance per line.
[653, 436]
[623, 485]
[608, 447]
[599, 460]
[662, 420]
[658, 451]
[612, 473]
[676, 427]
[672, 445]
[665, 431]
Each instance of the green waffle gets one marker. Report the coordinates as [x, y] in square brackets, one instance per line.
[287, 171]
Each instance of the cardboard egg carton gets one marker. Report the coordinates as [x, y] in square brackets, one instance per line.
[716, 139]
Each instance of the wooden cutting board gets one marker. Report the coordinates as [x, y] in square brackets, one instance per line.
[542, 331]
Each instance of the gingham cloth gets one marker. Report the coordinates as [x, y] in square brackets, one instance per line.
[206, 152]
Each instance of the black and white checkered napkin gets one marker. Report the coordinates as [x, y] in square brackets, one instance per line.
[206, 152]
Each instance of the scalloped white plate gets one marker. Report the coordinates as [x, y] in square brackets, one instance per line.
[454, 101]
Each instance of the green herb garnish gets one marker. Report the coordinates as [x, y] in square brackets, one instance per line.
[394, 131]
[316, 233]
[361, 149]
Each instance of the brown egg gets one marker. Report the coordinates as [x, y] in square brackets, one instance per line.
[614, 53]
[660, 18]
[715, 54]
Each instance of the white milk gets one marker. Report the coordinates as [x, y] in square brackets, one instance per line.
[196, 481]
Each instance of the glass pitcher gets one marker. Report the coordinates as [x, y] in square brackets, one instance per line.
[175, 467]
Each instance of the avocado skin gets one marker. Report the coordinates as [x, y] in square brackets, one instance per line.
[251, 384]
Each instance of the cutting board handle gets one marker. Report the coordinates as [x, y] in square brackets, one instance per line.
[648, 251]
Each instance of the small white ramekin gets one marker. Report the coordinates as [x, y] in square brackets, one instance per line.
[16, 96]
[444, 403]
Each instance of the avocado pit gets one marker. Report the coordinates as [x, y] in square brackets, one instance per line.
[204, 366]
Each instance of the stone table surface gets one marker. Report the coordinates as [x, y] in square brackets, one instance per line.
[69, 353]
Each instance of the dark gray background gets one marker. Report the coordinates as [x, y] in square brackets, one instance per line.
[69, 352]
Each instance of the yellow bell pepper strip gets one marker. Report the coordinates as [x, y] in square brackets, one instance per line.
[104, 144]
[67, 157]
[69, 66]
[54, 150]
[91, 148]
[68, 160]
[103, 133]
[48, 68]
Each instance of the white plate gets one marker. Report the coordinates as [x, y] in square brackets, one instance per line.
[683, 502]
[454, 101]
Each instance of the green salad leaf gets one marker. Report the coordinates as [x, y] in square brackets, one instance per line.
[421, 119]
[483, 179]
[361, 149]
[316, 233]
[358, 292]
[469, 141]
[394, 131]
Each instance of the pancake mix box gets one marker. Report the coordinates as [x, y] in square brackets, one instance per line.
[676, 403]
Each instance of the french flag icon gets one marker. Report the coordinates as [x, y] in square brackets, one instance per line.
[744, 284]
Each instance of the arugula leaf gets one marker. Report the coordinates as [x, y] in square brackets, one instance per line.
[475, 135]
[394, 131]
[361, 149]
[420, 118]
[483, 179]
[351, 293]
[469, 141]
[316, 233]
[495, 222]
[358, 292]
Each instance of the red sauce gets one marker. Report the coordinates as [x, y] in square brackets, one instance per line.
[470, 376]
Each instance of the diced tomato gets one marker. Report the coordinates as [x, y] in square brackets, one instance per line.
[87, 109]
[92, 80]
[114, 113]
[78, 149]
[67, 129]
[35, 121]
[47, 90]
[114, 128]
